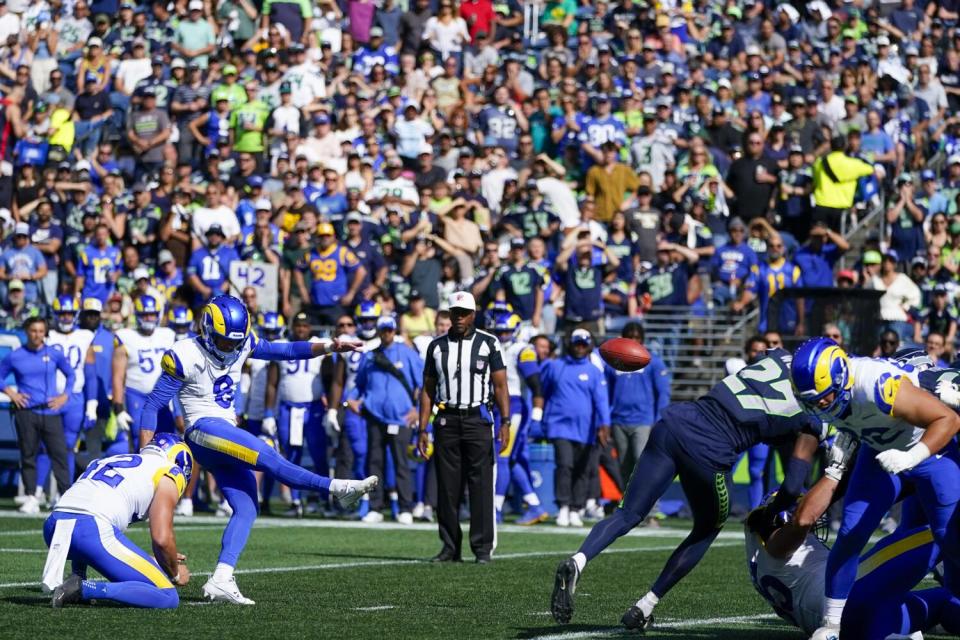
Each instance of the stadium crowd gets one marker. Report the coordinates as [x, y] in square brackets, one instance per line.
[584, 163]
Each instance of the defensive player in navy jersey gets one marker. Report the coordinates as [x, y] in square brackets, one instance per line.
[700, 441]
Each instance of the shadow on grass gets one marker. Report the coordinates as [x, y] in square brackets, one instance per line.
[38, 600]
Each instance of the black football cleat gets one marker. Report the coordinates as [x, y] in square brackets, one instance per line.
[564, 586]
[70, 592]
[634, 620]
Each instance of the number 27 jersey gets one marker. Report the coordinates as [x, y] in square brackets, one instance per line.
[757, 404]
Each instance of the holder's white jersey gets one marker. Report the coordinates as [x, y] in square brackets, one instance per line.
[74, 346]
[143, 355]
[209, 388]
[876, 384]
[794, 587]
[300, 379]
[120, 488]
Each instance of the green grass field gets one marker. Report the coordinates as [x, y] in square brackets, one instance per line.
[341, 579]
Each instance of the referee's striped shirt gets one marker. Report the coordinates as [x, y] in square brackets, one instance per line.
[462, 368]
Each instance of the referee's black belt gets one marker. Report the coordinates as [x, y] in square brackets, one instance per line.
[466, 412]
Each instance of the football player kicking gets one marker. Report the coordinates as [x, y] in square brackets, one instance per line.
[700, 441]
[905, 433]
[787, 562]
[203, 373]
[88, 522]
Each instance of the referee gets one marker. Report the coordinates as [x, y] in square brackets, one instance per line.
[457, 376]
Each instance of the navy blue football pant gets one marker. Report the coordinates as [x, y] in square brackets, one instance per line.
[73, 419]
[871, 493]
[312, 433]
[705, 489]
[232, 455]
[881, 602]
[134, 577]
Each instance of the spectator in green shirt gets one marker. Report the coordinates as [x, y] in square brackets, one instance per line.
[248, 121]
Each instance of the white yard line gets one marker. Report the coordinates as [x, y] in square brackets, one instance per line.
[263, 523]
[678, 624]
[382, 607]
[395, 563]
[19, 550]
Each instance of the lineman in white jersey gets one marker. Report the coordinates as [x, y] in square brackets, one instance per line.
[787, 563]
[88, 522]
[204, 373]
[298, 408]
[352, 429]
[900, 426]
[513, 462]
[75, 345]
[257, 395]
[136, 368]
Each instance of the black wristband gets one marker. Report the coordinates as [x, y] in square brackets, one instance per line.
[118, 408]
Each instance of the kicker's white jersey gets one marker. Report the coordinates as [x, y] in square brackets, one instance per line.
[794, 587]
[875, 387]
[515, 352]
[120, 488]
[74, 346]
[209, 389]
[143, 355]
[256, 391]
[300, 379]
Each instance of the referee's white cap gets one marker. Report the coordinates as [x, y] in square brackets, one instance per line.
[462, 300]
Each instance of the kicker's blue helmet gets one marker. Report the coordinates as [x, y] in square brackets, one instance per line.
[224, 328]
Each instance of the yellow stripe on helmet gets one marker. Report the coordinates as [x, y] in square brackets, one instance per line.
[822, 374]
[219, 324]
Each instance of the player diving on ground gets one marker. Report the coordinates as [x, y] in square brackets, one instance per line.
[203, 373]
[700, 441]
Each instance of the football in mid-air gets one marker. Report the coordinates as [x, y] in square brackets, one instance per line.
[625, 354]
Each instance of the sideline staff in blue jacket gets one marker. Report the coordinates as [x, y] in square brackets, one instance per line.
[577, 415]
[636, 400]
[34, 367]
[389, 410]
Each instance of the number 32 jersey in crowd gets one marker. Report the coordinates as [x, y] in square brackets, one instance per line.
[119, 489]
[143, 355]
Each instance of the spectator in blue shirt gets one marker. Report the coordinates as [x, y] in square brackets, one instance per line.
[732, 263]
[209, 267]
[819, 254]
[577, 416]
[23, 261]
[38, 403]
[389, 408]
[636, 400]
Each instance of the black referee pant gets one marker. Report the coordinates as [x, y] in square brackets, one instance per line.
[463, 454]
[32, 428]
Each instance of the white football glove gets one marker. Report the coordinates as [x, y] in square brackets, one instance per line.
[826, 633]
[331, 422]
[949, 393]
[269, 426]
[124, 420]
[838, 458]
[895, 461]
[90, 412]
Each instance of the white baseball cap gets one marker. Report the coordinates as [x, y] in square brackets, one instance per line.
[141, 273]
[462, 300]
[263, 204]
[195, 5]
[23, 229]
